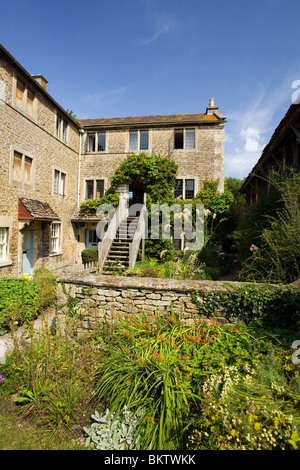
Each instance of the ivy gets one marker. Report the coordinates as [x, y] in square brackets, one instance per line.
[271, 306]
[157, 173]
[92, 204]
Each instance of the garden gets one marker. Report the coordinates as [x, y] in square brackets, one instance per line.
[160, 382]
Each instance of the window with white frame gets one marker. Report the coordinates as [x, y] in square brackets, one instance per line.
[61, 128]
[3, 243]
[139, 140]
[59, 184]
[94, 189]
[24, 98]
[55, 238]
[96, 142]
[184, 139]
[184, 188]
[22, 169]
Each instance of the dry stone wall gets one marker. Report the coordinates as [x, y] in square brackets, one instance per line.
[102, 297]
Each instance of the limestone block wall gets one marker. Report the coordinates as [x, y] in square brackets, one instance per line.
[34, 136]
[100, 297]
[203, 163]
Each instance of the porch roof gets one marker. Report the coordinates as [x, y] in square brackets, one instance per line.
[33, 209]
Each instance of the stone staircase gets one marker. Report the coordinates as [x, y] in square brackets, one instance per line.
[118, 254]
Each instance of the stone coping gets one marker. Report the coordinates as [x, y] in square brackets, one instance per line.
[124, 282]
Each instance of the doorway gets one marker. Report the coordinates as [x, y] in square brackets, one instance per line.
[27, 262]
[135, 196]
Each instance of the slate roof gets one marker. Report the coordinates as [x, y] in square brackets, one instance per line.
[152, 120]
[39, 210]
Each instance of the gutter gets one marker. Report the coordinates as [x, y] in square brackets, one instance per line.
[81, 132]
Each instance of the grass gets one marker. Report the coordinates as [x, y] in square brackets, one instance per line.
[19, 433]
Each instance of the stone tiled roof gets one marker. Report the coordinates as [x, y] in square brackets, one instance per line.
[39, 210]
[152, 120]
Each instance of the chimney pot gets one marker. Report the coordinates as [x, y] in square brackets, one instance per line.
[211, 107]
[41, 80]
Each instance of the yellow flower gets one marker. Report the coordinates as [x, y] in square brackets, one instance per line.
[25, 276]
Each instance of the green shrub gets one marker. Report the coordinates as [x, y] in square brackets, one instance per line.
[89, 255]
[92, 204]
[20, 302]
[46, 283]
[157, 173]
[270, 306]
[273, 226]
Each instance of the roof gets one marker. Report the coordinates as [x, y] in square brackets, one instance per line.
[35, 209]
[85, 216]
[280, 132]
[36, 84]
[153, 120]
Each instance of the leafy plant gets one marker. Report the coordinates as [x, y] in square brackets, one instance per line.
[89, 255]
[92, 204]
[113, 432]
[273, 226]
[157, 173]
[155, 366]
[20, 302]
[267, 305]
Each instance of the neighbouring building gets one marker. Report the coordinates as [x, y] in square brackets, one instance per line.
[50, 163]
[282, 152]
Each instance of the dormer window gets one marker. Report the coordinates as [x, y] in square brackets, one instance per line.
[25, 98]
[61, 128]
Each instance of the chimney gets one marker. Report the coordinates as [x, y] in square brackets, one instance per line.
[41, 80]
[211, 107]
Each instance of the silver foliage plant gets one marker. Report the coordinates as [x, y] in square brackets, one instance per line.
[114, 432]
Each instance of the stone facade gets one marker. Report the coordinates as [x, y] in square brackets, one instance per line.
[100, 298]
[202, 161]
[49, 157]
[28, 137]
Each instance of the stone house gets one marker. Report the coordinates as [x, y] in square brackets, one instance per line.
[50, 163]
[39, 151]
[281, 152]
[194, 141]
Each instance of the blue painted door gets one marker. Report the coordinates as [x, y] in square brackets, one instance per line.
[91, 239]
[27, 252]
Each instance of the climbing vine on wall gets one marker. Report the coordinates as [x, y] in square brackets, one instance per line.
[157, 173]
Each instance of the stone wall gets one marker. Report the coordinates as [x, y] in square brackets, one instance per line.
[101, 297]
[204, 163]
[34, 136]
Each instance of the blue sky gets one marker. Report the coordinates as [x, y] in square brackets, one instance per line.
[144, 57]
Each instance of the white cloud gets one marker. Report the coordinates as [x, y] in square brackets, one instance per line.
[161, 30]
[250, 129]
[252, 140]
[103, 97]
